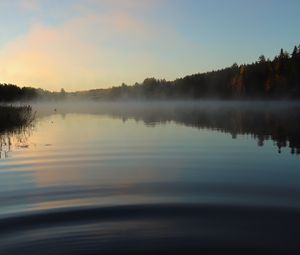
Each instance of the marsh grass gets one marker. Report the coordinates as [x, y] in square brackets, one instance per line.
[13, 118]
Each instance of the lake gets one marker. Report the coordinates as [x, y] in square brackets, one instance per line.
[152, 178]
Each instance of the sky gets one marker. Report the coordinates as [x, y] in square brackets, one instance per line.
[88, 44]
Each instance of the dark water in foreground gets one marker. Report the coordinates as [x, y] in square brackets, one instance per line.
[152, 180]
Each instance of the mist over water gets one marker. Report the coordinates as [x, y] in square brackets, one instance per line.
[272, 120]
[153, 177]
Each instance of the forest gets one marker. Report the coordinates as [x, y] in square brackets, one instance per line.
[265, 79]
[9, 93]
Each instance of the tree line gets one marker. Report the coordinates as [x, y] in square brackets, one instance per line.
[12, 93]
[265, 79]
[9, 92]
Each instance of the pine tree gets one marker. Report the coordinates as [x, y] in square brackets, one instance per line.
[262, 59]
[295, 52]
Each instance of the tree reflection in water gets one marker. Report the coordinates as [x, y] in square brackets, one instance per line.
[276, 121]
[279, 123]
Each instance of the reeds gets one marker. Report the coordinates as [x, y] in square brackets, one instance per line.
[15, 117]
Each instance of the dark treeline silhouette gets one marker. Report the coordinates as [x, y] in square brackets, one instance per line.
[9, 93]
[12, 93]
[265, 79]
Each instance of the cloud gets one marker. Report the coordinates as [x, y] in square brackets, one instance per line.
[29, 5]
[92, 50]
[143, 5]
[52, 56]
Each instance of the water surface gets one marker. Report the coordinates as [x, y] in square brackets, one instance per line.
[152, 178]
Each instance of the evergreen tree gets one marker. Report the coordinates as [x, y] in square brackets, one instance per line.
[295, 52]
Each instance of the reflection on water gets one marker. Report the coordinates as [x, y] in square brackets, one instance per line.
[276, 121]
[153, 178]
[281, 125]
[5, 143]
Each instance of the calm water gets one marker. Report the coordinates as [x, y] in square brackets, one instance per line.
[150, 179]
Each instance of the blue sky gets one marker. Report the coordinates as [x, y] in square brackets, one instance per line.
[82, 44]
